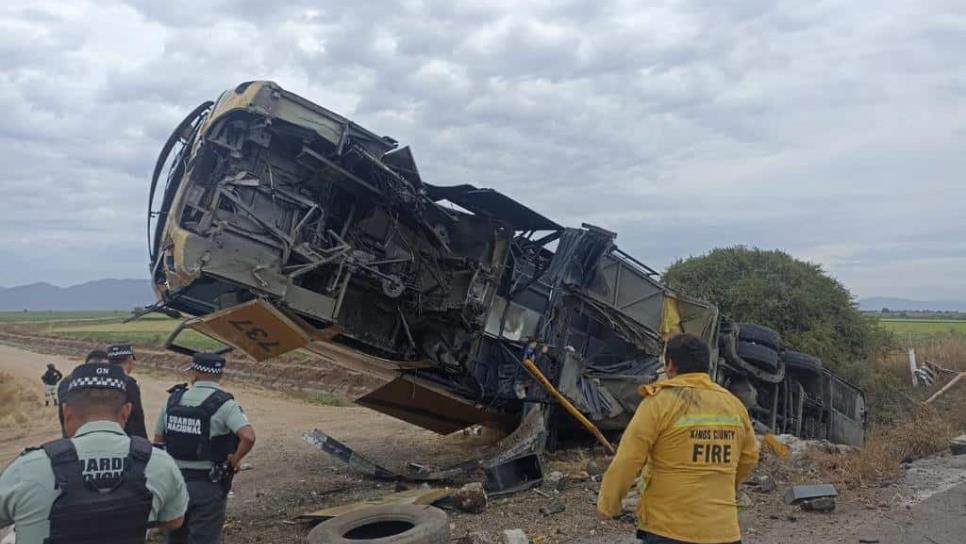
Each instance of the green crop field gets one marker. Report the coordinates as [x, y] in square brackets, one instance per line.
[34, 317]
[108, 327]
[924, 327]
[150, 330]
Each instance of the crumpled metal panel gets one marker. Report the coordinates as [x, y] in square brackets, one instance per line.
[586, 392]
[493, 204]
[426, 406]
[529, 438]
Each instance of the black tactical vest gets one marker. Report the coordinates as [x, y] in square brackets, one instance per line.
[99, 512]
[187, 429]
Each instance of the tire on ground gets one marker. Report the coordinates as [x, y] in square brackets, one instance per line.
[751, 332]
[758, 355]
[388, 524]
[802, 364]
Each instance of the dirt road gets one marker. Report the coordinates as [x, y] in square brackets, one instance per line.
[941, 519]
[290, 477]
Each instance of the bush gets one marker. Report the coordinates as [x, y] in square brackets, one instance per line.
[813, 312]
[19, 402]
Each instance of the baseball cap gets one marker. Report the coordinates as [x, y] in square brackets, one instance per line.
[97, 376]
[119, 352]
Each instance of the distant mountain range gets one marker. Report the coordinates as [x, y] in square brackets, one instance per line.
[106, 294]
[112, 294]
[874, 304]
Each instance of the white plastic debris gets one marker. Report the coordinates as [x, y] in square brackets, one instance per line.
[515, 536]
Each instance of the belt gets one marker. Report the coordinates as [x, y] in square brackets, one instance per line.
[196, 474]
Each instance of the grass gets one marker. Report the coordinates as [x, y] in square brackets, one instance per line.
[919, 328]
[40, 316]
[190, 339]
[145, 332]
[946, 350]
[888, 383]
[903, 427]
[925, 431]
[328, 399]
[19, 401]
[107, 327]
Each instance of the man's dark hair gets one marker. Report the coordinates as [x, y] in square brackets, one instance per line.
[688, 353]
[96, 356]
[96, 402]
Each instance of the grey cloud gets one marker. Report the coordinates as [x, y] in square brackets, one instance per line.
[833, 130]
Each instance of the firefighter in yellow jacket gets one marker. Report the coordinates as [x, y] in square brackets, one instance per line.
[698, 445]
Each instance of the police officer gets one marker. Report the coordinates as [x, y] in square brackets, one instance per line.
[697, 440]
[99, 486]
[98, 357]
[50, 379]
[208, 435]
[122, 355]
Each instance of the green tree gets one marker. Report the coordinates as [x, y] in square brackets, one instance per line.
[813, 312]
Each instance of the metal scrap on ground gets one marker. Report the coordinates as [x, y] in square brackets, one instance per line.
[799, 493]
[946, 387]
[958, 445]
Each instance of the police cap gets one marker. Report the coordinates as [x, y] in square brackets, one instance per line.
[96, 356]
[97, 376]
[118, 353]
[209, 363]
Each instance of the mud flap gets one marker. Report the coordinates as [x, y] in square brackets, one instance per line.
[512, 466]
[428, 406]
[255, 327]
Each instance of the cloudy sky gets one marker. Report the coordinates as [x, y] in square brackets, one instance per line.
[835, 130]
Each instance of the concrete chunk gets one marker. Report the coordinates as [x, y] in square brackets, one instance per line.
[821, 504]
[515, 536]
[743, 500]
[554, 507]
[766, 484]
[555, 481]
[471, 498]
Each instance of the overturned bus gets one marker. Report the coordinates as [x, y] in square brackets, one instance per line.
[281, 225]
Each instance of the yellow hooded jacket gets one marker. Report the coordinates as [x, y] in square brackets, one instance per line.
[698, 443]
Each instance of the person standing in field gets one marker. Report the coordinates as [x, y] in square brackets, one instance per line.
[50, 380]
[697, 439]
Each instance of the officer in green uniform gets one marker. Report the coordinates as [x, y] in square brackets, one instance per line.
[99, 486]
[207, 434]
